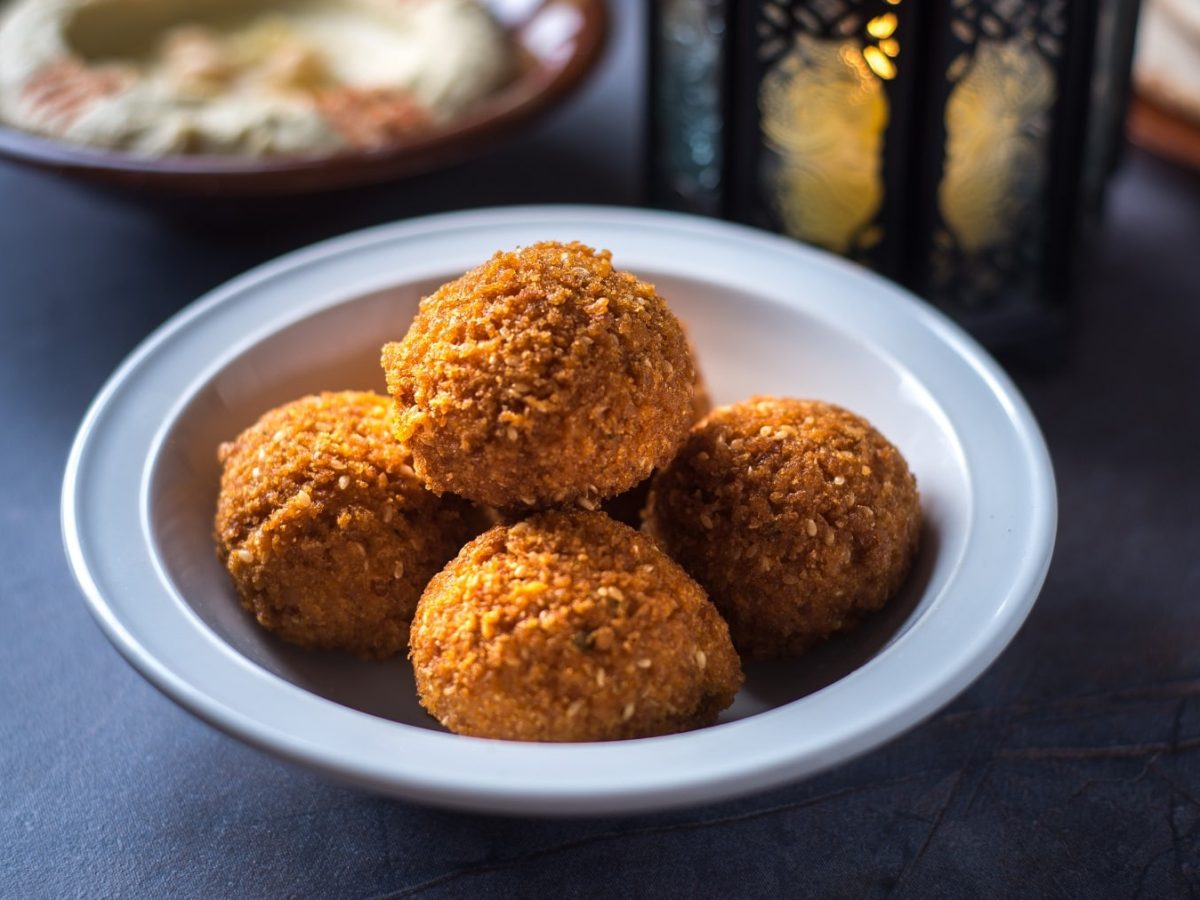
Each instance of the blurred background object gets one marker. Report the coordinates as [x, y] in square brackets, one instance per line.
[1164, 116]
[960, 147]
[197, 110]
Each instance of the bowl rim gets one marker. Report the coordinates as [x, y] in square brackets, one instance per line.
[528, 96]
[706, 765]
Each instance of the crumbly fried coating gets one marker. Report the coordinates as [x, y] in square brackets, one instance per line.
[569, 626]
[796, 516]
[627, 507]
[701, 400]
[544, 376]
[326, 531]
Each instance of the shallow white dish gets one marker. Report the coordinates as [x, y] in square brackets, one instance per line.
[767, 316]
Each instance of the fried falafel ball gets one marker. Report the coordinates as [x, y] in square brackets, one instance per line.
[796, 516]
[327, 533]
[627, 507]
[569, 626]
[544, 376]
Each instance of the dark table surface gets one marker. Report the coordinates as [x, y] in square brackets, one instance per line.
[1072, 768]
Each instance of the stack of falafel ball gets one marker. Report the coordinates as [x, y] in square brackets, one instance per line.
[533, 394]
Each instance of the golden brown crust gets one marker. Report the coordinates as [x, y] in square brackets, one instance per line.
[569, 626]
[326, 531]
[627, 507]
[796, 516]
[544, 376]
[701, 401]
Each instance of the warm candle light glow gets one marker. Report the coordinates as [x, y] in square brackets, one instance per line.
[879, 62]
[882, 26]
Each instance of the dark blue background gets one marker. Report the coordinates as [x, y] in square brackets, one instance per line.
[1072, 768]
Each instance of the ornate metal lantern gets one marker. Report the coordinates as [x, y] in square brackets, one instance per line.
[958, 146]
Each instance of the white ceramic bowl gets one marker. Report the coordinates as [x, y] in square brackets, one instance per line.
[766, 315]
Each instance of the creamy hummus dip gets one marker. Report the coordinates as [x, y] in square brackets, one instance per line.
[246, 77]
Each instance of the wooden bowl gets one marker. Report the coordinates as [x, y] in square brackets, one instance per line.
[559, 42]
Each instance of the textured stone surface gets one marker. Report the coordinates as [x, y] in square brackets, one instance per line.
[1071, 769]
